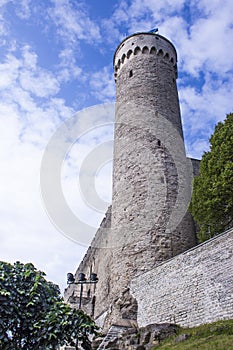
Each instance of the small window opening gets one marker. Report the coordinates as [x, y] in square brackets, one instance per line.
[160, 53]
[130, 73]
[129, 53]
[159, 143]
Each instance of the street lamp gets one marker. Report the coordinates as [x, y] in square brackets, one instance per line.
[81, 280]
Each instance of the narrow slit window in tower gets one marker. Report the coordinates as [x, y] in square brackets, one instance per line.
[130, 73]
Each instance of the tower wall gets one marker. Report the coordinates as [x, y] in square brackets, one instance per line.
[149, 153]
[145, 70]
[151, 175]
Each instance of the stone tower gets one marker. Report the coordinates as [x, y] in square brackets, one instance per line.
[148, 222]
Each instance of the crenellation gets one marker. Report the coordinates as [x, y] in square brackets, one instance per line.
[157, 45]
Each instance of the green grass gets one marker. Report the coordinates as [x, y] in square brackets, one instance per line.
[214, 336]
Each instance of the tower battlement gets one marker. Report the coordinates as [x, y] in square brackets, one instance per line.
[144, 43]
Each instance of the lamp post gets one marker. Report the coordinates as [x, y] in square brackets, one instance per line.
[81, 280]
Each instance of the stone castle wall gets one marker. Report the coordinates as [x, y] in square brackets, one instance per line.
[98, 259]
[192, 288]
[148, 223]
[112, 269]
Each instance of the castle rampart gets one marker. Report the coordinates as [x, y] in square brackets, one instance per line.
[192, 288]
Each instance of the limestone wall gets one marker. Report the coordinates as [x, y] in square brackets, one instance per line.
[98, 259]
[151, 175]
[192, 288]
[152, 181]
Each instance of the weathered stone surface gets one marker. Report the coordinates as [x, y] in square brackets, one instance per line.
[193, 288]
[96, 342]
[149, 151]
[99, 260]
[139, 339]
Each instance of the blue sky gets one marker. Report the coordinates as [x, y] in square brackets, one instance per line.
[56, 59]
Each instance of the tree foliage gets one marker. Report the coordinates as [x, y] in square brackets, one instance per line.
[212, 201]
[33, 315]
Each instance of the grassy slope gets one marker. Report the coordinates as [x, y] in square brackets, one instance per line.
[215, 336]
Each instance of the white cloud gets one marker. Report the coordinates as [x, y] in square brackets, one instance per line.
[27, 123]
[29, 57]
[209, 40]
[157, 7]
[26, 232]
[4, 2]
[73, 23]
[39, 82]
[77, 181]
[211, 7]
[209, 46]
[197, 148]
[34, 79]
[202, 109]
[23, 8]
[102, 84]
[22, 81]
[9, 71]
[204, 52]
[68, 69]
[141, 15]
